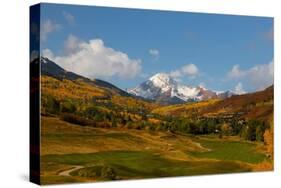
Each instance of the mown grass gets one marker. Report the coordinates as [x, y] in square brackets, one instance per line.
[229, 151]
[139, 164]
[134, 154]
[60, 137]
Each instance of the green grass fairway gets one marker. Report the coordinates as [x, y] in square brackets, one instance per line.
[134, 164]
[230, 151]
[119, 154]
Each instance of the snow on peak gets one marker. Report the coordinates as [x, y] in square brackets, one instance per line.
[162, 85]
[159, 76]
[162, 80]
[44, 60]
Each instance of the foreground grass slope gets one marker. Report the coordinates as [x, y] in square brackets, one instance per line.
[144, 164]
[133, 154]
[230, 151]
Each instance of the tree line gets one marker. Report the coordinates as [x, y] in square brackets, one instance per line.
[92, 115]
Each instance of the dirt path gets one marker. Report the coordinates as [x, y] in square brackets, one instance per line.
[67, 172]
[201, 147]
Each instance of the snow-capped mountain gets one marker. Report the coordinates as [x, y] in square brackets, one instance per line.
[164, 89]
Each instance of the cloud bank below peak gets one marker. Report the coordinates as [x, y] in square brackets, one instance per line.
[93, 59]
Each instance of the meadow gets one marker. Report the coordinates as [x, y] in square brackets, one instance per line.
[71, 153]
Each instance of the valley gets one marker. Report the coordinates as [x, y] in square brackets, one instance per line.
[93, 131]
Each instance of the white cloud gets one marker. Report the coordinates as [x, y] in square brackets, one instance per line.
[93, 59]
[239, 89]
[71, 45]
[69, 18]
[48, 27]
[176, 74]
[262, 75]
[236, 72]
[49, 54]
[202, 84]
[190, 70]
[259, 76]
[155, 53]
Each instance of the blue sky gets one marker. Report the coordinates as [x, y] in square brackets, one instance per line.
[127, 46]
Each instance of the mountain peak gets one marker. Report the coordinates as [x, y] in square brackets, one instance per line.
[44, 60]
[163, 88]
[162, 80]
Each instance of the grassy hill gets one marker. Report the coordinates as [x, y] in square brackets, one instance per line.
[86, 100]
[258, 105]
[185, 110]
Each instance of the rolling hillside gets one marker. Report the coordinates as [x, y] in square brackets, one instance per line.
[89, 102]
[258, 105]
[81, 94]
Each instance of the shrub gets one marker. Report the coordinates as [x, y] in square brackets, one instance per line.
[108, 173]
[226, 129]
[104, 124]
[67, 107]
[51, 104]
[254, 130]
[72, 118]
